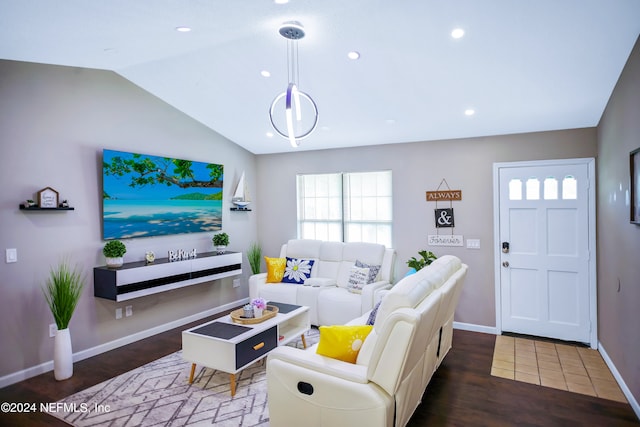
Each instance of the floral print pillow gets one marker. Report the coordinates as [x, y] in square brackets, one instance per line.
[297, 270]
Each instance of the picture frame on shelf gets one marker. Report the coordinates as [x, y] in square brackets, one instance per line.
[48, 198]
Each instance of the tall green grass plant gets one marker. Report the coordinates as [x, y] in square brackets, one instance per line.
[254, 255]
[62, 292]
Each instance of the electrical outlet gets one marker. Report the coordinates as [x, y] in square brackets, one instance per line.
[118, 313]
[53, 329]
[236, 283]
[129, 310]
[11, 255]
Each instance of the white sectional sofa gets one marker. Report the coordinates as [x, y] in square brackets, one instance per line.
[326, 292]
[411, 335]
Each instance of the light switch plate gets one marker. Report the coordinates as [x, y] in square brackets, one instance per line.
[473, 243]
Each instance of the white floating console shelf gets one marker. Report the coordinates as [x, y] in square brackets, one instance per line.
[137, 279]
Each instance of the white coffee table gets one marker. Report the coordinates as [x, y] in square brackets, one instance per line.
[230, 347]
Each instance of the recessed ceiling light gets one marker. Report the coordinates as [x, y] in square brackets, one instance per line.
[265, 73]
[353, 55]
[281, 1]
[183, 29]
[390, 121]
[269, 134]
[469, 112]
[325, 128]
[457, 33]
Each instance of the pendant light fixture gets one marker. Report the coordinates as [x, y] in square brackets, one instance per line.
[293, 114]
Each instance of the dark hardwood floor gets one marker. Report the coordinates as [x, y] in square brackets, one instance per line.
[461, 393]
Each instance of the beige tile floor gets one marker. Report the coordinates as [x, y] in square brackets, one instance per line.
[562, 366]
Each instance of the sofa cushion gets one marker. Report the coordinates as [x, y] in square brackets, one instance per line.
[303, 248]
[342, 342]
[337, 306]
[358, 278]
[329, 261]
[373, 313]
[275, 269]
[373, 270]
[368, 253]
[297, 270]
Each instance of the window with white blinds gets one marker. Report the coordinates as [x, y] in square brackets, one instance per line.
[349, 207]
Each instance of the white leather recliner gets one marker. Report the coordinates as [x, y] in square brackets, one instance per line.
[410, 338]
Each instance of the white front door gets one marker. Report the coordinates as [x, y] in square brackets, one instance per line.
[546, 249]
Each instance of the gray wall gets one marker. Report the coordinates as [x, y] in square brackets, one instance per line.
[466, 164]
[54, 123]
[618, 240]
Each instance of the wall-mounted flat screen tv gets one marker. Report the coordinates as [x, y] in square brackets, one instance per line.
[634, 166]
[146, 195]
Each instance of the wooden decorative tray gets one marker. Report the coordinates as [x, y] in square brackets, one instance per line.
[267, 313]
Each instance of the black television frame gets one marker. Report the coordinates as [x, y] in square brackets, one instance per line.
[634, 187]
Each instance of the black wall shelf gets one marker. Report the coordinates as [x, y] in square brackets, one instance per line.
[38, 208]
[137, 279]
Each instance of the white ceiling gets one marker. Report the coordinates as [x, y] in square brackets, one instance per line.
[522, 65]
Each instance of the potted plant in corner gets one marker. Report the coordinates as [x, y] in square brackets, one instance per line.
[427, 257]
[114, 251]
[254, 255]
[62, 292]
[220, 241]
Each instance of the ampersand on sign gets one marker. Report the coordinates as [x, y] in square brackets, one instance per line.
[444, 218]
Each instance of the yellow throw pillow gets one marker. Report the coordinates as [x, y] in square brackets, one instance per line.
[342, 342]
[275, 269]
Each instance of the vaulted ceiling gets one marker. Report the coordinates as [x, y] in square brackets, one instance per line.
[522, 66]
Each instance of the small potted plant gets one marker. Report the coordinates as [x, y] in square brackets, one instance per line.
[114, 251]
[254, 255]
[259, 304]
[62, 293]
[427, 257]
[220, 241]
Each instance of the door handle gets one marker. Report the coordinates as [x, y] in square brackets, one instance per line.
[505, 263]
[505, 247]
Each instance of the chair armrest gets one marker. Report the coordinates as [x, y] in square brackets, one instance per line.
[255, 281]
[325, 365]
[369, 293]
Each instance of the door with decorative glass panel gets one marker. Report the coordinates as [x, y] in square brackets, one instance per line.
[545, 249]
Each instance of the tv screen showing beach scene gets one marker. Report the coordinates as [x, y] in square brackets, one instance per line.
[146, 195]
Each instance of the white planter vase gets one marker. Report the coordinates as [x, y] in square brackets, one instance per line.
[114, 262]
[62, 355]
[220, 249]
[257, 312]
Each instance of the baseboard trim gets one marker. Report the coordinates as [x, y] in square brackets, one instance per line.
[475, 328]
[42, 368]
[623, 386]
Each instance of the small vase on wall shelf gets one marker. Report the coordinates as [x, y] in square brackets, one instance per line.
[115, 262]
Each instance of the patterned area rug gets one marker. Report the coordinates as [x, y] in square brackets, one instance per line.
[159, 394]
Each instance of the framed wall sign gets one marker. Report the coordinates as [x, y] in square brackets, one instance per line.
[48, 198]
[444, 218]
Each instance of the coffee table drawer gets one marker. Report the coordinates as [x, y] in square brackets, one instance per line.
[256, 346]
